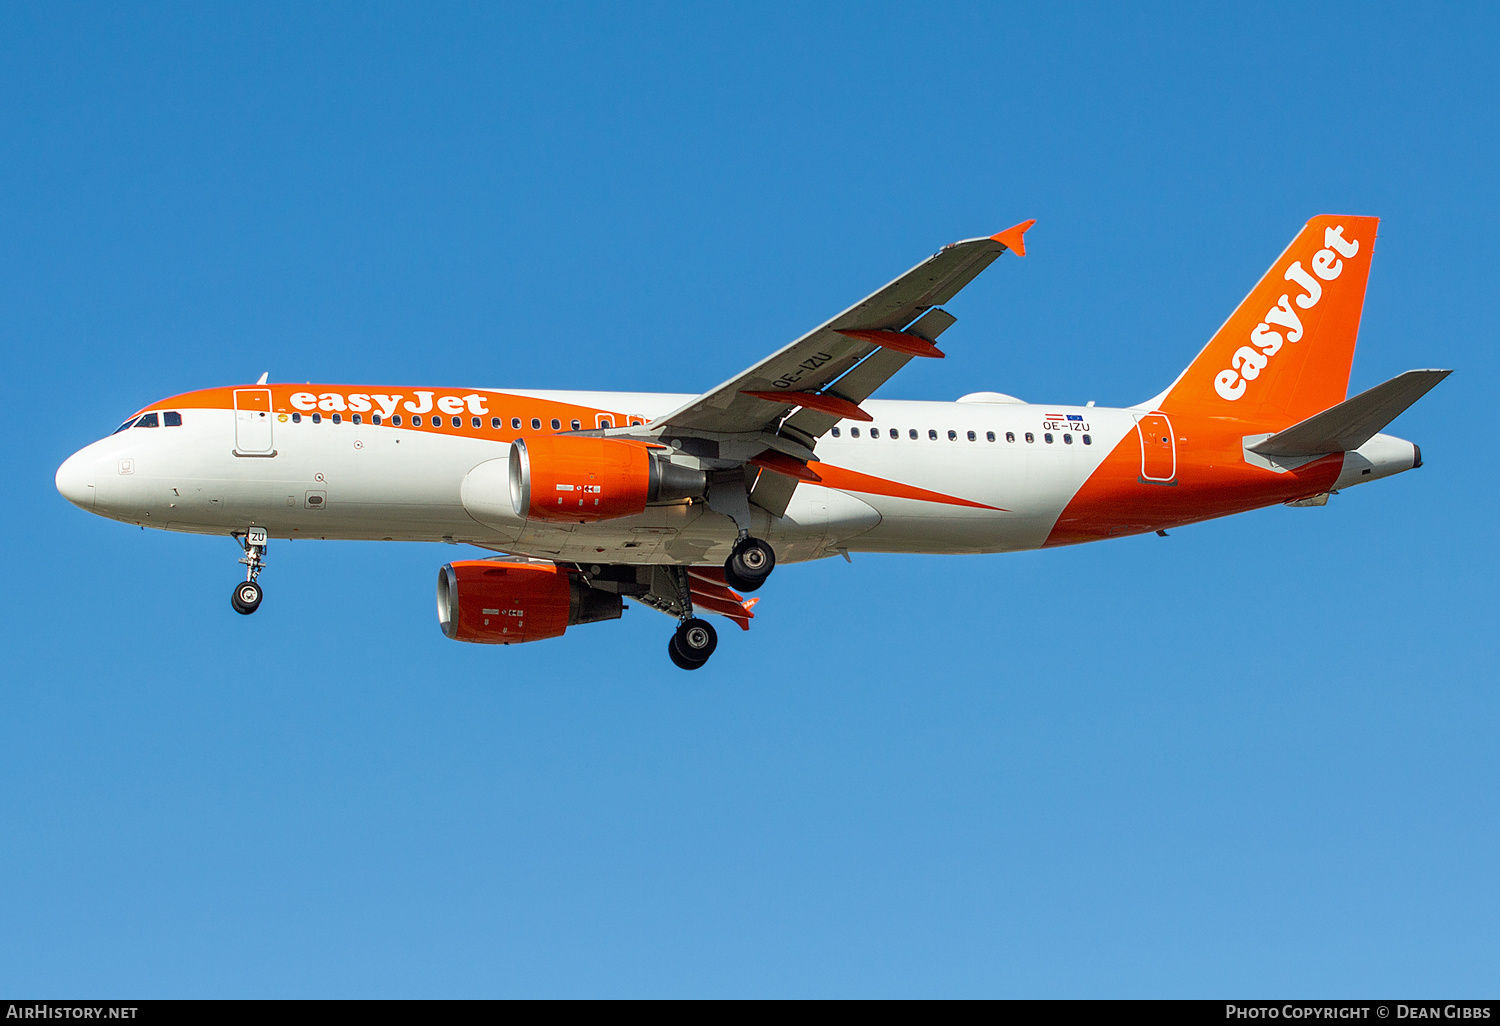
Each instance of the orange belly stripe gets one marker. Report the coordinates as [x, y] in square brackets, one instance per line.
[854, 481]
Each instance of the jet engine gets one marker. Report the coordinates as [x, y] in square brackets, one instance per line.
[496, 603]
[579, 479]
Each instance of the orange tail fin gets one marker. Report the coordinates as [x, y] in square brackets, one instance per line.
[1284, 354]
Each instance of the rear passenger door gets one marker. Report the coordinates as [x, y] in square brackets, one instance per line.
[1158, 450]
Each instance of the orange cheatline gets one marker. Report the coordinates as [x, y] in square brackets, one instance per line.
[820, 401]
[897, 340]
[1014, 237]
[780, 463]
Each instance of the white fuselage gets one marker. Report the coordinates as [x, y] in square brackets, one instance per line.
[362, 481]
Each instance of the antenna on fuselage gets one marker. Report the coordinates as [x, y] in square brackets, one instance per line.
[262, 379]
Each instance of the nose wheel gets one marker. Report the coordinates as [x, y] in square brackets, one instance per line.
[247, 594]
[749, 564]
[692, 643]
[246, 597]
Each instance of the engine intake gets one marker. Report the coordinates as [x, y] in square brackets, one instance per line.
[497, 603]
[579, 480]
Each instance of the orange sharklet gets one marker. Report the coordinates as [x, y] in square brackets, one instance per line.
[1014, 237]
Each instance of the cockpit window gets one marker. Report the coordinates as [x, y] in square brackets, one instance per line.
[123, 426]
[171, 419]
[147, 420]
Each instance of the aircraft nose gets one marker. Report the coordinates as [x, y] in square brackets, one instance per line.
[75, 479]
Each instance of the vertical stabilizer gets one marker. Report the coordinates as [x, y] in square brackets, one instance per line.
[1285, 353]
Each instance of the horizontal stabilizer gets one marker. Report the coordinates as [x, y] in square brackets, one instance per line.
[1353, 422]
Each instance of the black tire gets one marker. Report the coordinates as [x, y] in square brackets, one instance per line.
[749, 564]
[694, 640]
[677, 659]
[246, 597]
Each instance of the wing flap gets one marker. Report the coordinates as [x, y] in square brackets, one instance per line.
[875, 370]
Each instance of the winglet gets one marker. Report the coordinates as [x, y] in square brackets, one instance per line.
[1015, 237]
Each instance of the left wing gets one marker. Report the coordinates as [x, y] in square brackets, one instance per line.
[870, 330]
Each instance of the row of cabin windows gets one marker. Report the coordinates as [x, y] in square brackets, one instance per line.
[989, 436]
[170, 418]
[496, 423]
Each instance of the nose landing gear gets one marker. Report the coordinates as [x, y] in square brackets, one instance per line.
[247, 594]
[246, 597]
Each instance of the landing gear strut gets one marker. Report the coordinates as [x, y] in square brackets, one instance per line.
[749, 564]
[692, 644]
[247, 594]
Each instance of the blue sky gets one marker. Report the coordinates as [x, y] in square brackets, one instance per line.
[1255, 758]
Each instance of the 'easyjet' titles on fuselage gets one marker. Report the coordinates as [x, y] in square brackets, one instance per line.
[363, 402]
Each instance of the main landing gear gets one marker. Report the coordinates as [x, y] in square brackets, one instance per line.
[247, 594]
[749, 564]
[695, 639]
[692, 643]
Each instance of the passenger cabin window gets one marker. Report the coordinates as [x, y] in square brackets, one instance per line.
[1010, 436]
[318, 418]
[1067, 439]
[835, 432]
[1047, 438]
[931, 434]
[515, 423]
[478, 423]
[606, 423]
[171, 419]
[416, 421]
[973, 437]
[457, 422]
[1030, 438]
[912, 434]
[854, 432]
[536, 424]
[495, 423]
[357, 419]
[895, 433]
[989, 436]
[952, 436]
[396, 420]
[147, 420]
[576, 425]
[1087, 440]
[337, 419]
[556, 424]
[375, 419]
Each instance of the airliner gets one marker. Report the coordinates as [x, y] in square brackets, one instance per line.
[684, 502]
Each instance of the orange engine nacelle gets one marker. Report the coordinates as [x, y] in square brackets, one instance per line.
[497, 603]
[578, 479]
